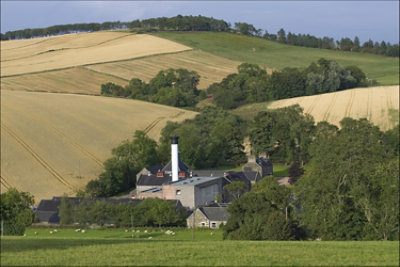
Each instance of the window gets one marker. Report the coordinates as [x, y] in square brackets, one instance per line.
[178, 192]
[203, 224]
[213, 225]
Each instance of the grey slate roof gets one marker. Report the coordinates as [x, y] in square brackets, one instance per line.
[153, 180]
[181, 166]
[155, 168]
[220, 214]
[208, 173]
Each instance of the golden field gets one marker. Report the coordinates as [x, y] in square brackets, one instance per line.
[211, 68]
[55, 143]
[80, 63]
[380, 105]
[70, 50]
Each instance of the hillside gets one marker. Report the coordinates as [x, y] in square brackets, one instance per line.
[55, 143]
[80, 63]
[380, 105]
[277, 56]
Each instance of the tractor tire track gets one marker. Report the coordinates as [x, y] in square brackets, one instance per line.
[327, 113]
[38, 158]
[69, 139]
[350, 104]
[5, 183]
[313, 104]
[153, 124]
[369, 105]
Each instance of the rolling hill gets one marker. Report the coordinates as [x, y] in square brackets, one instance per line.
[274, 55]
[380, 105]
[55, 143]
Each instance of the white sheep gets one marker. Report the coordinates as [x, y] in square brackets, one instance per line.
[150, 237]
[83, 231]
[51, 232]
[55, 231]
[77, 230]
[145, 231]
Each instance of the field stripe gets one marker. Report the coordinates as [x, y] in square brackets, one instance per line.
[38, 158]
[350, 103]
[327, 113]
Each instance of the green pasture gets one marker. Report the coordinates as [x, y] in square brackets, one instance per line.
[116, 247]
[277, 56]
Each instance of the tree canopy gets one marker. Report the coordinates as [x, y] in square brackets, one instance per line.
[15, 211]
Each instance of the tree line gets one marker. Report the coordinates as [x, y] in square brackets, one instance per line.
[172, 87]
[201, 23]
[178, 87]
[150, 212]
[177, 23]
[253, 84]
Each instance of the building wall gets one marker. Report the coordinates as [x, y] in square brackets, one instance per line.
[206, 194]
[200, 220]
[150, 195]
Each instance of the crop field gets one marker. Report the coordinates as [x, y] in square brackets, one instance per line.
[56, 143]
[380, 105]
[72, 80]
[274, 55]
[211, 68]
[50, 53]
[117, 247]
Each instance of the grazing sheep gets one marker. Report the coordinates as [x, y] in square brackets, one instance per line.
[51, 232]
[83, 231]
[126, 230]
[145, 231]
[55, 231]
[212, 233]
[77, 230]
[150, 237]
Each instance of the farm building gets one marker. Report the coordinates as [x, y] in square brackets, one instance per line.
[193, 187]
[211, 216]
[262, 166]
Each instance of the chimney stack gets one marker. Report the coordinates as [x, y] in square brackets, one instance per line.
[174, 158]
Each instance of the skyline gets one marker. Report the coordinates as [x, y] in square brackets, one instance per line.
[375, 20]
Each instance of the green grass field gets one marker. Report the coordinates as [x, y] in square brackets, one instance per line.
[117, 247]
[277, 56]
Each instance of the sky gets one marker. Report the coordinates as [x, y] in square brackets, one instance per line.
[376, 20]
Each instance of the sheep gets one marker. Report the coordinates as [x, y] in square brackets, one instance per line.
[51, 232]
[83, 231]
[145, 231]
[150, 237]
[77, 230]
[55, 231]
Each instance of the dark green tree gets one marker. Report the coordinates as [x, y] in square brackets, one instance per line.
[15, 211]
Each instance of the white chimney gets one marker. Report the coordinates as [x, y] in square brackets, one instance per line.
[174, 158]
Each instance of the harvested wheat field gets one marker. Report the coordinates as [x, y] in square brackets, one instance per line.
[55, 143]
[380, 105]
[211, 68]
[77, 80]
[72, 50]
